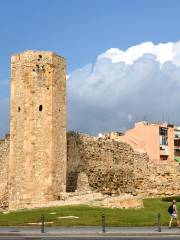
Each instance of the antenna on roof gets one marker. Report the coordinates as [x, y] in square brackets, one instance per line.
[163, 117]
[145, 117]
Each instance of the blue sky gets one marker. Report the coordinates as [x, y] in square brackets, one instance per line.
[80, 30]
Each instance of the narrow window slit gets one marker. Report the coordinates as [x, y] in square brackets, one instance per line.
[40, 108]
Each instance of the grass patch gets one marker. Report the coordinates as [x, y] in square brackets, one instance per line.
[91, 216]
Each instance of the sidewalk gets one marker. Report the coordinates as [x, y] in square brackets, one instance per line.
[88, 231]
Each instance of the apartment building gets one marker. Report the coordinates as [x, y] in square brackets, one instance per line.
[160, 141]
[177, 144]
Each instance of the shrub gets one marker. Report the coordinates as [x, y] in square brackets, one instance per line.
[169, 199]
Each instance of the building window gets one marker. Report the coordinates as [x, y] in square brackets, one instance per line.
[164, 140]
[163, 136]
[163, 157]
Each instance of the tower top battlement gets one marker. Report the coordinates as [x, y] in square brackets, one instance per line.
[37, 57]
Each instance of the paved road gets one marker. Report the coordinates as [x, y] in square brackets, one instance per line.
[91, 238]
[89, 233]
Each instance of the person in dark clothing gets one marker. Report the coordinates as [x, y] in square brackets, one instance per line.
[174, 214]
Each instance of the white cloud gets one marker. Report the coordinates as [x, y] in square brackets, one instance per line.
[163, 52]
[121, 87]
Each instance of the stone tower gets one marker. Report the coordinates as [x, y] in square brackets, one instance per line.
[37, 163]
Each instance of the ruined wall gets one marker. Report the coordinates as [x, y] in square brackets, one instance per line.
[105, 166]
[4, 158]
[37, 162]
[162, 180]
[108, 164]
[113, 167]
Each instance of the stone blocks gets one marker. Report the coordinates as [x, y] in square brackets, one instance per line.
[37, 161]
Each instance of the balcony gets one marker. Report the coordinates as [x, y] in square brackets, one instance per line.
[176, 147]
[164, 150]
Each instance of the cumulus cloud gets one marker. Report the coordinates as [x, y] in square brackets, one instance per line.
[120, 88]
[163, 52]
[123, 87]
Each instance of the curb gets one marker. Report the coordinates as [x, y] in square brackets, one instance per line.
[107, 234]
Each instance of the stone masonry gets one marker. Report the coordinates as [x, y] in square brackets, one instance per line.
[37, 162]
[105, 166]
[4, 158]
[41, 164]
[114, 168]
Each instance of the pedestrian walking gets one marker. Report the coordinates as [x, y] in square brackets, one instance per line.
[173, 213]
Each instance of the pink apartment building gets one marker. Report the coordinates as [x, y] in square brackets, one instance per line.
[160, 141]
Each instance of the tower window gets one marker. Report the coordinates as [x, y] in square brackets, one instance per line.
[40, 108]
[19, 109]
[40, 57]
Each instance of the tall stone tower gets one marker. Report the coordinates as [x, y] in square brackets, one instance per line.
[37, 163]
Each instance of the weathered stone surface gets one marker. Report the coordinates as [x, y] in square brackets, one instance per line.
[83, 182]
[113, 168]
[37, 162]
[109, 168]
[4, 158]
[123, 201]
[108, 164]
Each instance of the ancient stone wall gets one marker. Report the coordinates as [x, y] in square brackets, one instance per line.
[161, 180]
[109, 165]
[112, 167]
[4, 158]
[106, 166]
